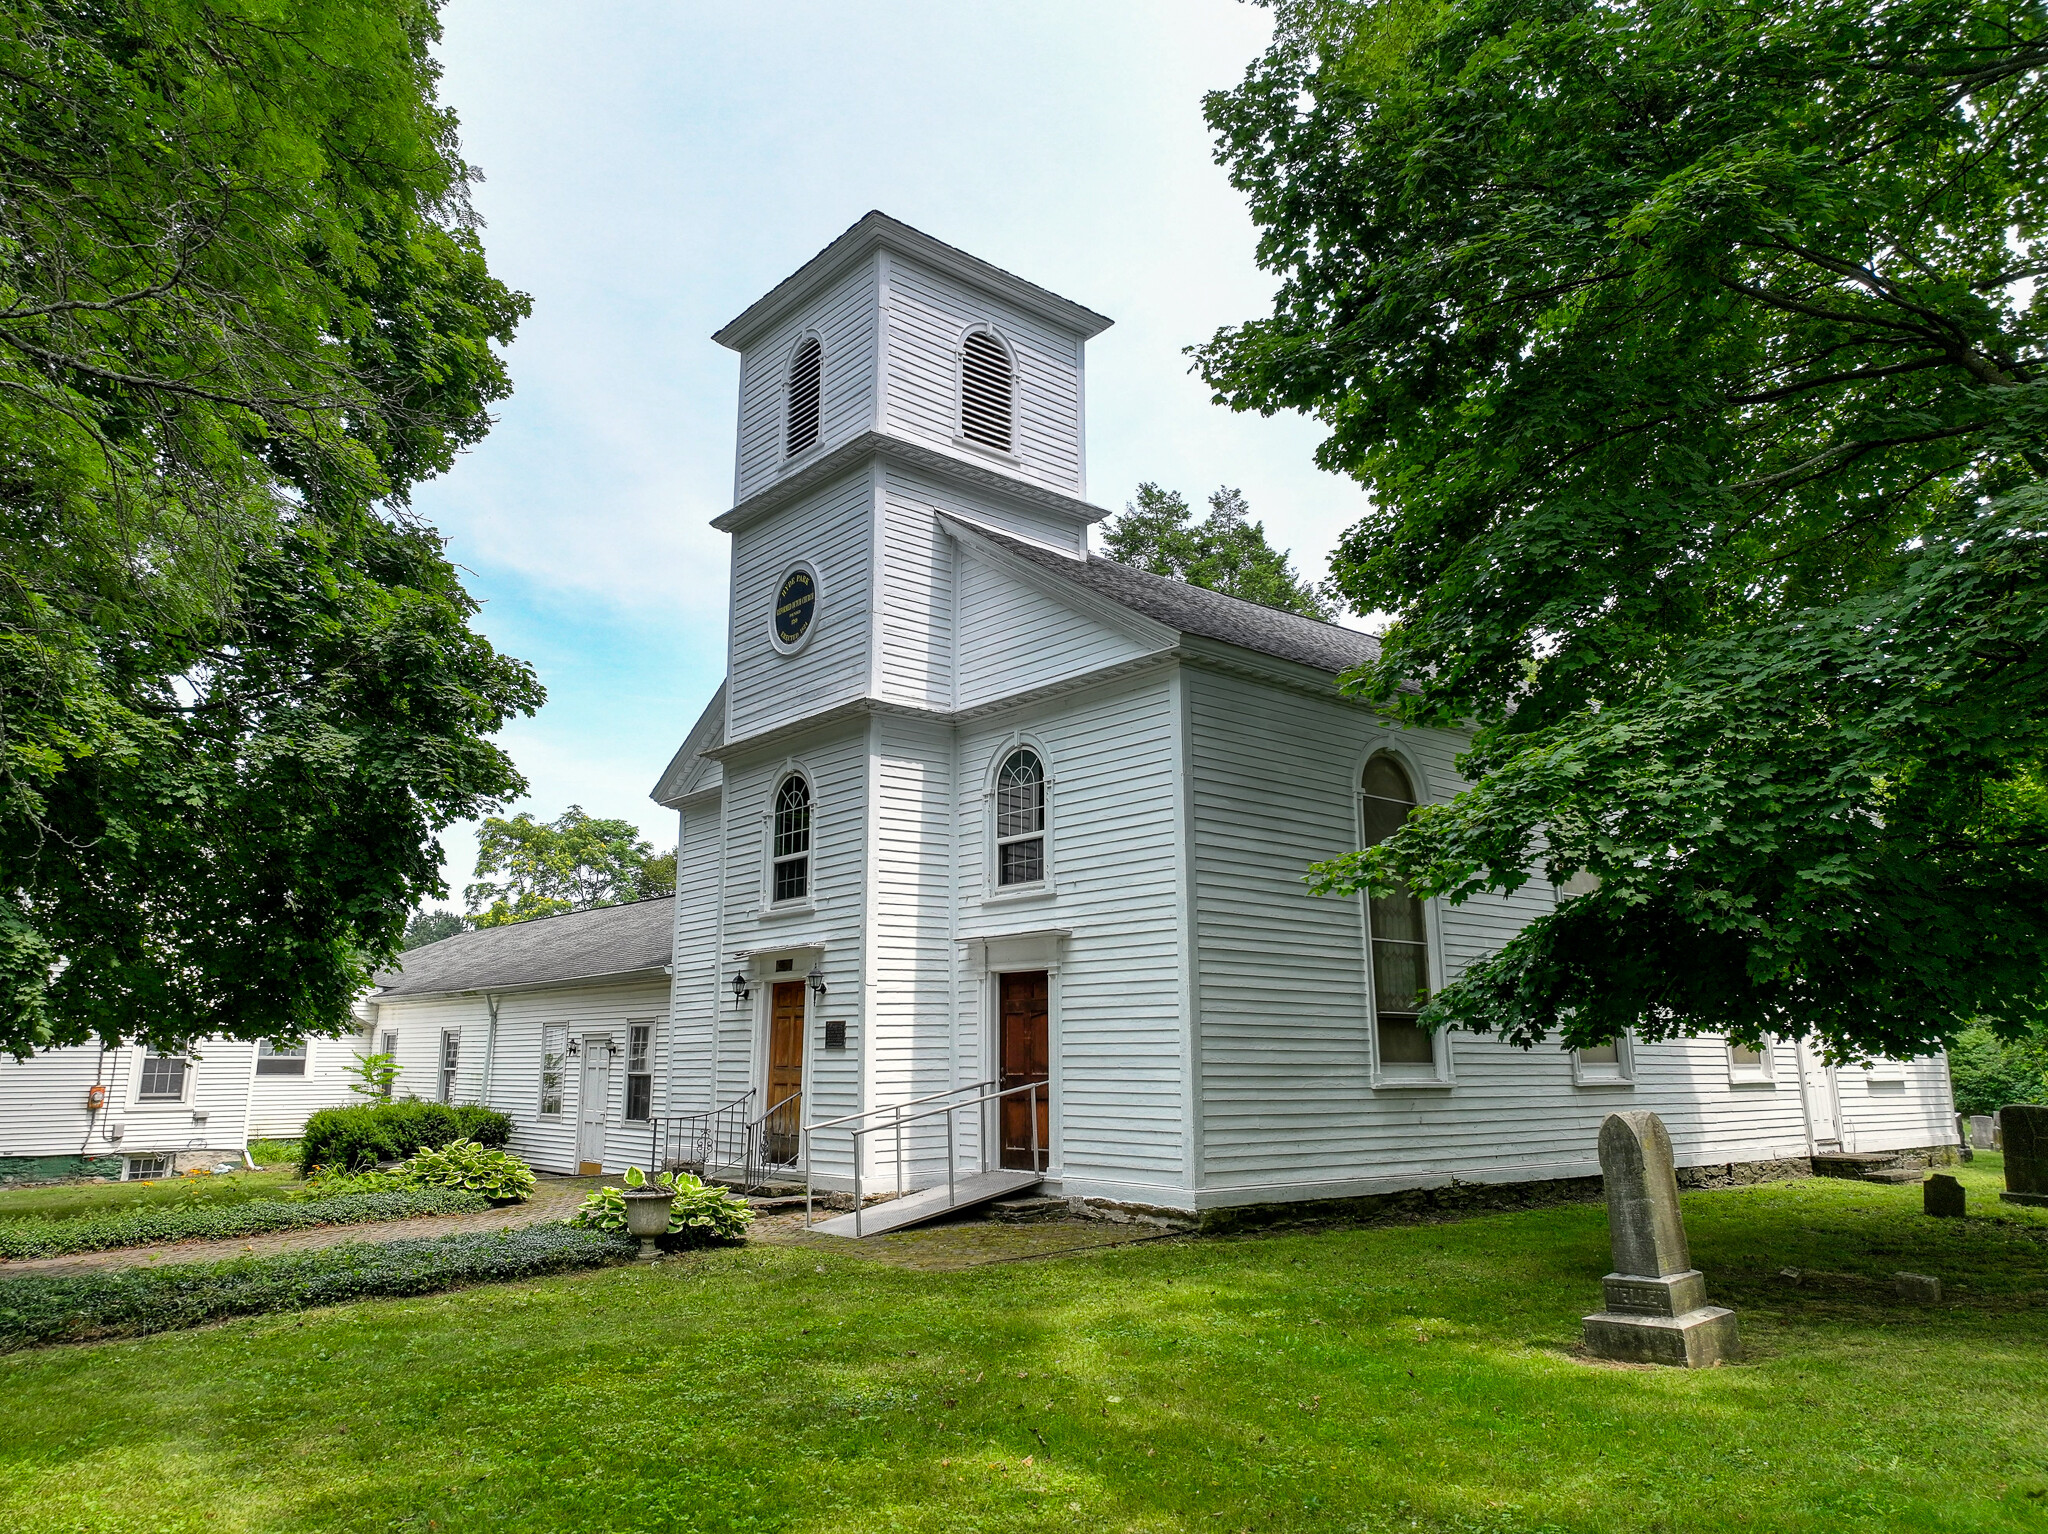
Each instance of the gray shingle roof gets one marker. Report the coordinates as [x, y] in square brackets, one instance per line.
[609, 940]
[1197, 610]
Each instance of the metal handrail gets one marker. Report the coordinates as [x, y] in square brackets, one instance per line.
[847, 1118]
[947, 1112]
[711, 1126]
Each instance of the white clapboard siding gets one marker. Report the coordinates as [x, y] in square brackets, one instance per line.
[829, 922]
[829, 528]
[1014, 637]
[1288, 1091]
[928, 314]
[697, 989]
[1907, 1105]
[843, 319]
[43, 1102]
[1113, 815]
[513, 1064]
[280, 1105]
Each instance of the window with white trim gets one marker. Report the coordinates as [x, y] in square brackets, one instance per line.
[451, 1057]
[1020, 819]
[639, 1072]
[806, 379]
[1605, 1065]
[163, 1078]
[554, 1064]
[1749, 1065]
[277, 1059]
[1398, 929]
[390, 1050]
[145, 1168]
[791, 850]
[987, 392]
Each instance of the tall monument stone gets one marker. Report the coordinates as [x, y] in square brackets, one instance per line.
[2023, 1128]
[1657, 1310]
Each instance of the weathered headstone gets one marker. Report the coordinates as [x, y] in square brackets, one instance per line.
[1917, 1288]
[1983, 1131]
[1942, 1195]
[2023, 1127]
[1657, 1310]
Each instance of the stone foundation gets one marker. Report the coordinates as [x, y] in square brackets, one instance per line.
[27, 1171]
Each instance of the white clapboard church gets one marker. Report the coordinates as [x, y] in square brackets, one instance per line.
[978, 813]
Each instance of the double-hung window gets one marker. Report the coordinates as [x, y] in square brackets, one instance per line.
[163, 1078]
[1398, 930]
[639, 1072]
[279, 1059]
[554, 1061]
[791, 853]
[1020, 819]
[390, 1051]
[451, 1055]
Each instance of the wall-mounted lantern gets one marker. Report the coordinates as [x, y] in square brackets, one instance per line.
[575, 1048]
[741, 991]
[817, 979]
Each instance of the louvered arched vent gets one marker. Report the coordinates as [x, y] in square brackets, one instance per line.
[804, 368]
[985, 392]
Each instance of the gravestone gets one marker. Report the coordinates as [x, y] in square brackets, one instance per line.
[1917, 1288]
[1942, 1195]
[2023, 1127]
[1657, 1310]
[1983, 1131]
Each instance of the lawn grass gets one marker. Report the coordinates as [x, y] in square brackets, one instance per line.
[274, 1153]
[1414, 1377]
[63, 1200]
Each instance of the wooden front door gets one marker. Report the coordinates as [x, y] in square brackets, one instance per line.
[785, 1104]
[1025, 1048]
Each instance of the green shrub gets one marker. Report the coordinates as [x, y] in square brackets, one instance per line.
[220, 1222]
[498, 1175]
[1990, 1073]
[700, 1215]
[352, 1138]
[126, 1302]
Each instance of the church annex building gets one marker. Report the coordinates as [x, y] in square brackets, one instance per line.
[976, 806]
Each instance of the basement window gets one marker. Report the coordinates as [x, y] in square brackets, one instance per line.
[146, 1168]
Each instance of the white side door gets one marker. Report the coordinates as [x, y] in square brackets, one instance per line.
[1817, 1088]
[593, 1103]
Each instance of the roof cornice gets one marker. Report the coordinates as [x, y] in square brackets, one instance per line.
[871, 444]
[384, 998]
[878, 231]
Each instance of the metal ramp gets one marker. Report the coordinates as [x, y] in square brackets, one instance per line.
[962, 1189]
[929, 1203]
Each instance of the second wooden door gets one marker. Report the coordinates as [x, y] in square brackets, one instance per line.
[785, 1071]
[1025, 1048]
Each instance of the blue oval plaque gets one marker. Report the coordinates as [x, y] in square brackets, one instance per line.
[796, 601]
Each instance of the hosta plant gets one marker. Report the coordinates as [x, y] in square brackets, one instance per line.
[701, 1215]
[464, 1164]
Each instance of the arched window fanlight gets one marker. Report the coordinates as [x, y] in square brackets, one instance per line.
[985, 392]
[792, 849]
[1400, 939]
[805, 368]
[1020, 819]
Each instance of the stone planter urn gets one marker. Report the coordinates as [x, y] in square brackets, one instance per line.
[647, 1216]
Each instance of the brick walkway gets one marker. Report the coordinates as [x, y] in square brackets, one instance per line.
[555, 1198]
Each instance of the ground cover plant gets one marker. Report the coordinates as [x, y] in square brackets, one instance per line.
[1414, 1377]
[131, 1301]
[362, 1135]
[62, 1200]
[219, 1222]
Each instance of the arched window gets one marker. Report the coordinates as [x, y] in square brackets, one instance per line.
[1020, 819]
[805, 367]
[1400, 939]
[985, 392]
[792, 850]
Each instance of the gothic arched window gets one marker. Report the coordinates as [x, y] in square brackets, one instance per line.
[791, 853]
[986, 380]
[1400, 937]
[1020, 819]
[806, 365]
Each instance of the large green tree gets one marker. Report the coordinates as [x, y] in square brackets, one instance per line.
[1691, 355]
[1226, 551]
[570, 863]
[243, 310]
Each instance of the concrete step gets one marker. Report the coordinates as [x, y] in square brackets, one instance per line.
[1896, 1174]
[968, 1192]
[1853, 1164]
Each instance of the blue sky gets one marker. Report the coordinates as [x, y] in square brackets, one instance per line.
[651, 169]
